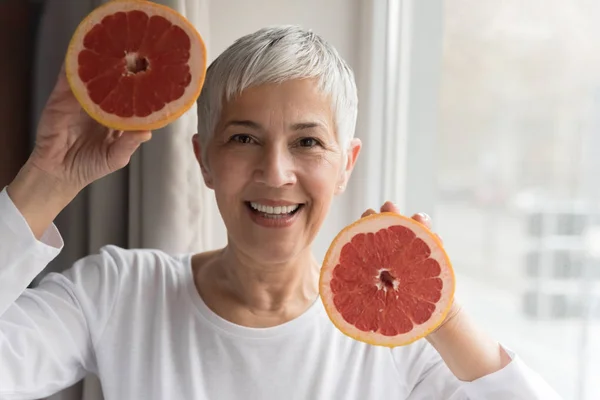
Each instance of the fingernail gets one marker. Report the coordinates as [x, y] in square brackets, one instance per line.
[424, 216]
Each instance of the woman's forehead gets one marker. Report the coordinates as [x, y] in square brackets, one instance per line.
[299, 102]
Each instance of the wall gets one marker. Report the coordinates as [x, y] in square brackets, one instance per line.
[336, 20]
[16, 21]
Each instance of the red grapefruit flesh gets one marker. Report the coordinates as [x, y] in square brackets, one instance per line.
[386, 280]
[135, 65]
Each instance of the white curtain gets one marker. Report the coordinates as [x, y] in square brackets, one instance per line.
[382, 86]
[159, 201]
[401, 47]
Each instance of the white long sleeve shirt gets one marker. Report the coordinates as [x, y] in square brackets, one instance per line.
[135, 318]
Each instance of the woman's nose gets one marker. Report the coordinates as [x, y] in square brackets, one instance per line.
[276, 167]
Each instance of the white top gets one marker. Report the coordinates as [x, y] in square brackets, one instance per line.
[134, 318]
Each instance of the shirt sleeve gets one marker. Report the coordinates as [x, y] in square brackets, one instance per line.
[22, 256]
[516, 381]
[47, 333]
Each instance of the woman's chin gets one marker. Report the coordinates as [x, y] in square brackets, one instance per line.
[277, 252]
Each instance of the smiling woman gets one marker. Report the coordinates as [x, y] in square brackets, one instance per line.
[276, 145]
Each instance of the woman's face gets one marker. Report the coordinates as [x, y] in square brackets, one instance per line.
[275, 164]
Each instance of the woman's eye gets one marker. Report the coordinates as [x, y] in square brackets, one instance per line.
[308, 142]
[241, 138]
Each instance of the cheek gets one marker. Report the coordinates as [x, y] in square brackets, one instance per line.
[229, 177]
[321, 178]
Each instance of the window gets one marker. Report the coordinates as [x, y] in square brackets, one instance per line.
[495, 115]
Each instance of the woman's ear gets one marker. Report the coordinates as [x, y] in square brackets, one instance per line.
[206, 175]
[351, 156]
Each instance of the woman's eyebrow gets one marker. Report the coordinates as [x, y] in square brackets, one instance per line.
[298, 126]
[244, 123]
[306, 125]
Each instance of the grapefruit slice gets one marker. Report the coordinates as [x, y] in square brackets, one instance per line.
[386, 280]
[135, 65]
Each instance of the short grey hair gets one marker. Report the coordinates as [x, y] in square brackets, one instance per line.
[274, 55]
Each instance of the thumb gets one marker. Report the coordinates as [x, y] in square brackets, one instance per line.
[128, 142]
[133, 139]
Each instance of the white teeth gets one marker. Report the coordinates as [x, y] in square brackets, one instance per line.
[274, 210]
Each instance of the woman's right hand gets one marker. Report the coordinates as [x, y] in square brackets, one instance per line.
[72, 148]
[71, 151]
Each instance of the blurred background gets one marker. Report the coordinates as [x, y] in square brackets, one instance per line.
[484, 114]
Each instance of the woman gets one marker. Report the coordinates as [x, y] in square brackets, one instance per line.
[276, 144]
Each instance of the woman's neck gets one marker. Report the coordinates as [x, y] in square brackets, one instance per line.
[257, 295]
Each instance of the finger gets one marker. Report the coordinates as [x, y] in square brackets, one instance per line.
[61, 99]
[388, 206]
[426, 220]
[370, 211]
[423, 218]
[114, 135]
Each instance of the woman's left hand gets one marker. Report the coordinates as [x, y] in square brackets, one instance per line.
[467, 351]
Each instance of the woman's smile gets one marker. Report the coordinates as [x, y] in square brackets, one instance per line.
[273, 216]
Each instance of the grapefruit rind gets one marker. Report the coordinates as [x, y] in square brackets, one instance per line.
[374, 223]
[171, 111]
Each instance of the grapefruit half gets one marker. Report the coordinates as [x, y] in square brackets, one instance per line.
[135, 65]
[386, 280]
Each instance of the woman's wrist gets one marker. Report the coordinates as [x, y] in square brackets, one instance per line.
[467, 351]
[39, 196]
